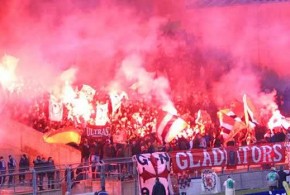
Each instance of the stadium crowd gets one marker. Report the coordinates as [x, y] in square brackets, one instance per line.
[137, 118]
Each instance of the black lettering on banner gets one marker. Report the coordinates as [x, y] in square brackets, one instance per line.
[142, 159]
[163, 157]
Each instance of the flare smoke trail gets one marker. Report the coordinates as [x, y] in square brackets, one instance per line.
[219, 51]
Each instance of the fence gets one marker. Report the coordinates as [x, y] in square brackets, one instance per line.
[71, 179]
[117, 175]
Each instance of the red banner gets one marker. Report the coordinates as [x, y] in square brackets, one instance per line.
[221, 157]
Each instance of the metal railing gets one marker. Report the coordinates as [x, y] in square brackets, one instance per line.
[80, 178]
[70, 179]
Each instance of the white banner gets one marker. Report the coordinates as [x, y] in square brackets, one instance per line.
[55, 109]
[116, 100]
[150, 167]
[102, 112]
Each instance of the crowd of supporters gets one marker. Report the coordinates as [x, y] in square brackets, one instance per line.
[137, 118]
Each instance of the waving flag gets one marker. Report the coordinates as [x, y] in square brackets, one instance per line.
[88, 91]
[116, 100]
[226, 120]
[63, 136]
[203, 117]
[237, 108]
[102, 114]
[55, 109]
[230, 123]
[169, 126]
[251, 114]
[278, 120]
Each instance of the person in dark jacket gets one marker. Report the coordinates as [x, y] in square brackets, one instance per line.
[23, 166]
[102, 192]
[50, 173]
[282, 177]
[85, 152]
[2, 171]
[94, 157]
[11, 164]
[158, 188]
[136, 148]
[39, 168]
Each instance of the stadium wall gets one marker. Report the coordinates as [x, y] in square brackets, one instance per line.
[17, 139]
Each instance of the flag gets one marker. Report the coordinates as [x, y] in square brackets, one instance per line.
[55, 109]
[278, 120]
[63, 136]
[116, 100]
[88, 91]
[102, 114]
[231, 124]
[226, 120]
[169, 126]
[251, 114]
[286, 123]
[202, 118]
[237, 108]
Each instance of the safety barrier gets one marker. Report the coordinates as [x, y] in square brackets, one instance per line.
[117, 175]
[72, 179]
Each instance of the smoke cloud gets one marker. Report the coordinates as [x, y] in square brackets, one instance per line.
[163, 46]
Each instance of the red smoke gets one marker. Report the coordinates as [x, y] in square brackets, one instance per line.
[216, 50]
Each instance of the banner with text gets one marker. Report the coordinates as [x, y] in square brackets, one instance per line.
[221, 157]
[94, 131]
[150, 167]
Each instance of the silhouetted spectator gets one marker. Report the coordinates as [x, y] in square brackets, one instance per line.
[23, 166]
[282, 177]
[2, 171]
[50, 173]
[11, 164]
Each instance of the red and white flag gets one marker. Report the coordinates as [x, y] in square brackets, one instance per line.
[230, 123]
[202, 118]
[169, 126]
[226, 120]
[237, 108]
